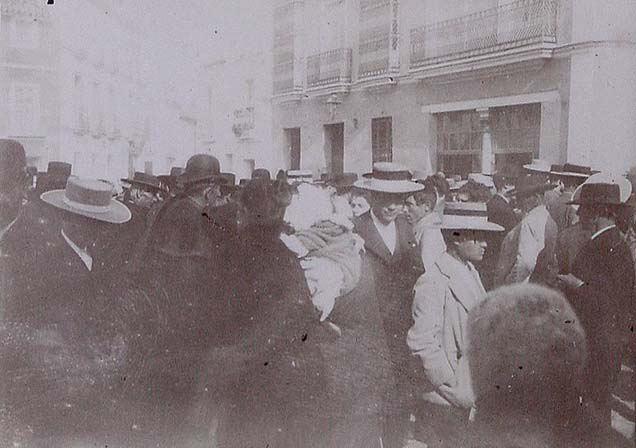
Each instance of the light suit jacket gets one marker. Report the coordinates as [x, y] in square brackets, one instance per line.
[537, 232]
[443, 297]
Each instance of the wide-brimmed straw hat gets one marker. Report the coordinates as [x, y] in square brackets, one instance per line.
[388, 177]
[144, 180]
[89, 198]
[538, 166]
[299, 176]
[571, 170]
[598, 194]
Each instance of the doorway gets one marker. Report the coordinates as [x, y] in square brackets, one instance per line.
[292, 140]
[334, 147]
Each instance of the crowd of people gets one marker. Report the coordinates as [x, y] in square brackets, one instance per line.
[385, 310]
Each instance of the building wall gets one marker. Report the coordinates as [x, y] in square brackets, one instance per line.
[29, 98]
[584, 80]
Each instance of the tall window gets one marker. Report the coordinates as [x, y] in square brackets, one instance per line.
[382, 139]
[516, 132]
[459, 139]
[24, 107]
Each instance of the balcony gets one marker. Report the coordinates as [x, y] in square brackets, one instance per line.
[518, 31]
[329, 72]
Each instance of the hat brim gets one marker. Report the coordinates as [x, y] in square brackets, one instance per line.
[188, 180]
[142, 184]
[388, 186]
[117, 213]
[474, 223]
[526, 192]
[570, 174]
[537, 168]
[608, 203]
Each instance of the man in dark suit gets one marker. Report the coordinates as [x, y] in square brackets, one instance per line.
[62, 327]
[600, 289]
[500, 210]
[393, 254]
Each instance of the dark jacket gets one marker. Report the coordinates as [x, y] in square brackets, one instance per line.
[606, 267]
[569, 243]
[270, 367]
[501, 212]
[394, 277]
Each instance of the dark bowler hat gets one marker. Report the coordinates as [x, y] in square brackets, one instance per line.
[261, 173]
[529, 185]
[599, 194]
[344, 180]
[55, 177]
[90, 198]
[176, 171]
[229, 178]
[144, 180]
[57, 168]
[12, 164]
[201, 168]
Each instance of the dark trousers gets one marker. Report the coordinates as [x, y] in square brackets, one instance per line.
[441, 426]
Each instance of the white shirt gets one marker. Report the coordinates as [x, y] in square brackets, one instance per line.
[603, 230]
[83, 254]
[388, 233]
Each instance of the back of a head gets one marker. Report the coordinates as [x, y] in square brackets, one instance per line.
[12, 165]
[264, 202]
[526, 355]
[426, 196]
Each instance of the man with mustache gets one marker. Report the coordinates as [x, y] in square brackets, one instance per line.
[392, 253]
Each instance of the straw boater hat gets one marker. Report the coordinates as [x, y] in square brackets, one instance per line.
[472, 223]
[388, 177]
[299, 176]
[89, 198]
[466, 208]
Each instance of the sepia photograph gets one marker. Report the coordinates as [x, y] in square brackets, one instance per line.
[317, 223]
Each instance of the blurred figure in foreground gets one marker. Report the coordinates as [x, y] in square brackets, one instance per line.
[526, 353]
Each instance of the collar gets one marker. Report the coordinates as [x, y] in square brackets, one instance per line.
[502, 196]
[379, 223]
[603, 230]
[82, 253]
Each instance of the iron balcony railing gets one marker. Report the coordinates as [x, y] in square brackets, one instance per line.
[517, 24]
[329, 68]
